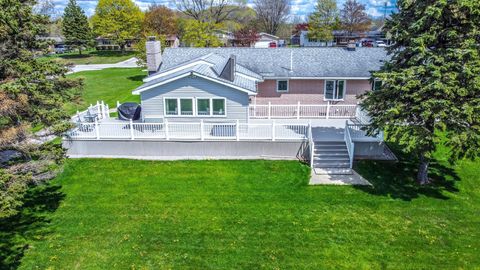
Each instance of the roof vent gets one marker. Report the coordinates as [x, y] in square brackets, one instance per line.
[228, 72]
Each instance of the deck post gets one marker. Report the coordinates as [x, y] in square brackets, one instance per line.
[104, 113]
[97, 131]
[298, 110]
[118, 104]
[328, 110]
[269, 110]
[99, 109]
[107, 111]
[167, 137]
[202, 136]
[273, 130]
[132, 137]
[237, 130]
[78, 116]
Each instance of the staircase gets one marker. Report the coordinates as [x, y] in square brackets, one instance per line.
[331, 157]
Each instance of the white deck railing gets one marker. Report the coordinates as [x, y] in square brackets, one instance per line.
[98, 111]
[358, 134]
[301, 111]
[349, 142]
[233, 131]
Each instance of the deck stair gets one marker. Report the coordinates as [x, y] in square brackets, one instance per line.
[331, 157]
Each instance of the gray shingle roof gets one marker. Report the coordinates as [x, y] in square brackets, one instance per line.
[211, 69]
[306, 62]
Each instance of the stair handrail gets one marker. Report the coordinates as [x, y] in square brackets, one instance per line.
[311, 144]
[349, 142]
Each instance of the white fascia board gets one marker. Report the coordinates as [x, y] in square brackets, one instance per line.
[317, 78]
[137, 92]
[248, 77]
[173, 70]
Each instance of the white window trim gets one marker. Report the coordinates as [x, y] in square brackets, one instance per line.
[179, 111]
[194, 107]
[288, 86]
[373, 84]
[335, 89]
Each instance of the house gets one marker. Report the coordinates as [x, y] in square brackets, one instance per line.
[172, 41]
[342, 38]
[105, 43]
[225, 37]
[266, 40]
[243, 103]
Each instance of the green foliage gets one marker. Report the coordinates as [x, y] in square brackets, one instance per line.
[199, 34]
[118, 20]
[75, 26]
[432, 82]
[32, 93]
[323, 20]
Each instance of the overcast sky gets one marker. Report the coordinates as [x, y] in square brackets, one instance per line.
[300, 8]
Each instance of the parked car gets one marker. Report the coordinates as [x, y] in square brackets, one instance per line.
[272, 45]
[380, 43]
[60, 48]
[367, 43]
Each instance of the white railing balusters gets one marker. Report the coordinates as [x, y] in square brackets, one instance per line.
[349, 142]
[299, 111]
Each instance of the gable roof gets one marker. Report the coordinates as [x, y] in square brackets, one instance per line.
[208, 67]
[277, 63]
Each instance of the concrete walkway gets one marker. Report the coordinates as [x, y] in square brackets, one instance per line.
[130, 63]
[338, 179]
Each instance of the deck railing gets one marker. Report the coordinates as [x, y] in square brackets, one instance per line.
[98, 111]
[301, 111]
[203, 131]
[349, 142]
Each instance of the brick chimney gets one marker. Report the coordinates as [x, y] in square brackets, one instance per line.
[154, 54]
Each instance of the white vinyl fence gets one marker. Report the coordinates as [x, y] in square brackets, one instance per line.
[301, 111]
[98, 111]
[233, 131]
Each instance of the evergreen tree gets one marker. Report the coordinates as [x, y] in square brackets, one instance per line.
[431, 86]
[75, 26]
[323, 20]
[119, 20]
[32, 93]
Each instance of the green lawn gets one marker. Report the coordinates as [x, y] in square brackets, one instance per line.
[92, 57]
[108, 85]
[123, 214]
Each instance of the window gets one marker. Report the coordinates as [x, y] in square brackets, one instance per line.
[186, 106]
[218, 106]
[334, 90]
[179, 106]
[377, 85]
[171, 106]
[282, 86]
[203, 106]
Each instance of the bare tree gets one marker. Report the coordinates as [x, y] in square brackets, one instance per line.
[215, 11]
[354, 18]
[272, 13]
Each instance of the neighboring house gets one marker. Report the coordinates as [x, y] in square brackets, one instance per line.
[226, 37]
[342, 38]
[305, 41]
[56, 43]
[266, 41]
[172, 41]
[104, 43]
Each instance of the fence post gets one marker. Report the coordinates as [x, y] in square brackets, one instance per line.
[298, 110]
[132, 137]
[97, 131]
[99, 109]
[269, 110]
[167, 137]
[273, 130]
[107, 111]
[201, 130]
[237, 130]
[328, 110]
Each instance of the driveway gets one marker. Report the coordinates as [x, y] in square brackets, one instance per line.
[130, 63]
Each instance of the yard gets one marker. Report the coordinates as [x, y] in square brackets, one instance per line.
[109, 85]
[119, 214]
[92, 57]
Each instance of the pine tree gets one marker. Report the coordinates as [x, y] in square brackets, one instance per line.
[32, 93]
[431, 85]
[75, 26]
[323, 20]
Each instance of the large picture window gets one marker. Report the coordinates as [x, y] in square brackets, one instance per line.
[218, 106]
[203, 106]
[334, 89]
[186, 107]
[191, 107]
[171, 106]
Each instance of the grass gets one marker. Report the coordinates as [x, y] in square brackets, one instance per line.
[110, 85]
[119, 214]
[92, 57]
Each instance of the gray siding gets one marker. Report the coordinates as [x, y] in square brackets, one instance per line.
[236, 101]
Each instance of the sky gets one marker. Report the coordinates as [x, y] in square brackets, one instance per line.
[299, 8]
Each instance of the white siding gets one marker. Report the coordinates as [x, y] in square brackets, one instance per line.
[236, 101]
